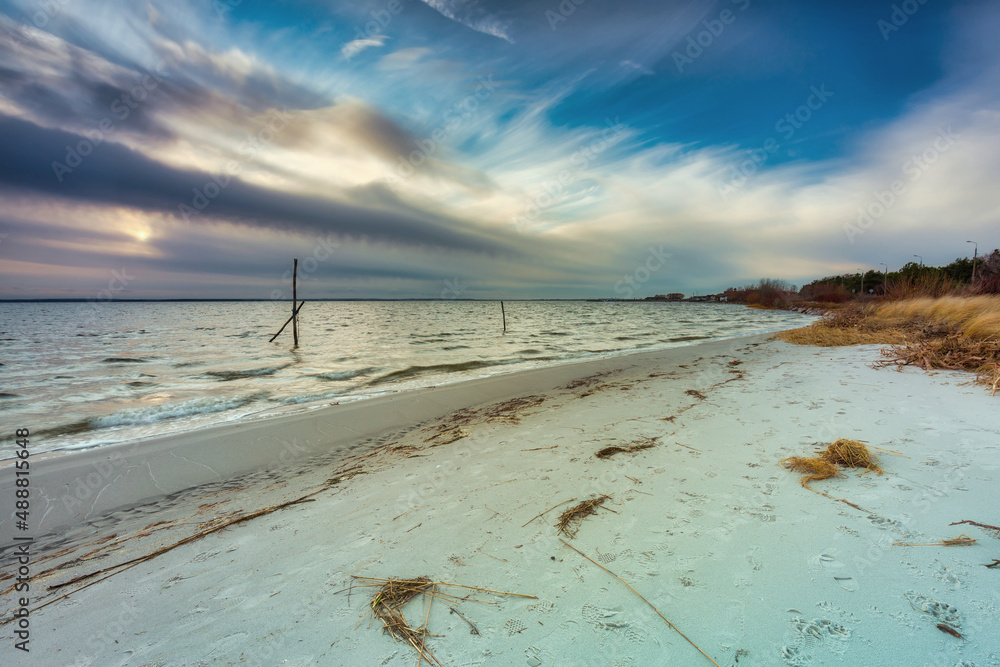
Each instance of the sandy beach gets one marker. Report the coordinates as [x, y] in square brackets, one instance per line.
[448, 483]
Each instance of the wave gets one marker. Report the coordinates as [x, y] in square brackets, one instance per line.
[414, 371]
[684, 339]
[151, 414]
[227, 376]
[346, 375]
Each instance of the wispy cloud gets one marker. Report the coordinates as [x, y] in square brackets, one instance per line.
[472, 14]
[356, 46]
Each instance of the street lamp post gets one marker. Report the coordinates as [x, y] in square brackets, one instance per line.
[862, 280]
[921, 260]
[886, 273]
[975, 254]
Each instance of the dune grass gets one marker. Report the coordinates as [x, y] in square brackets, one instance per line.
[975, 317]
[947, 332]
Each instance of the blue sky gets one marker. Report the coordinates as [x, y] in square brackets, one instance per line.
[483, 149]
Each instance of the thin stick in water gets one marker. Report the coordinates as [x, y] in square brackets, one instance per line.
[504, 314]
[286, 323]
[295, 310]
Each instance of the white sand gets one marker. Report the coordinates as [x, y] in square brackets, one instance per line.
[724, 542]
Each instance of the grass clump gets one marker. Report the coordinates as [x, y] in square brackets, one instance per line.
[826, 464]
[812, 468]
[569, 521]
[852, 454]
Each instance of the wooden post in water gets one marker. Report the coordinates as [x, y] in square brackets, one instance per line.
[295, 309]
[504, 314]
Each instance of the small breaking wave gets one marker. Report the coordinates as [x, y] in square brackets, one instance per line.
[227, 376]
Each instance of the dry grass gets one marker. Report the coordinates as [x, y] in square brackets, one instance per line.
[569, 521]
[853, 324]
[852, 454]
[387, 607]
[393, 594]
[975, 317]
[812, 468]
[947, 332]
[821, 335]
[962, 540]
[826, 464]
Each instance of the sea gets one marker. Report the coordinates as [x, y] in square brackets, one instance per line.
[90, 374]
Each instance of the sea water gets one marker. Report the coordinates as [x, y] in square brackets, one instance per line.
[87, 374]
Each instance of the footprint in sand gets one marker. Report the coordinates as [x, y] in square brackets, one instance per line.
[603, 618]
[754, 559]
[830, 563]
[542, 607]
[943, 613]
[811, 636]
[513, 626]
[534, 656]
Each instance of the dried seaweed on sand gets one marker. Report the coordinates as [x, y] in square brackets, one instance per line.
[569, 521]
[507, 412]
[812, 467]
[852, 454]
[387, 607]
[637, 445]
[392, 594]
[697, 394]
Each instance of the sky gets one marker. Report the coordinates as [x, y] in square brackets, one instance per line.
[488, 149]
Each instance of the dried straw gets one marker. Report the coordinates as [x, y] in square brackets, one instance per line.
[387, 607]
[569, 521]
[962, 540]
[812, 467]
[851, 453]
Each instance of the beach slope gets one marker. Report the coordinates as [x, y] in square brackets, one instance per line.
[253, 560]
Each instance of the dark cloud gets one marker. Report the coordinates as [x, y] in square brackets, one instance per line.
[115, 175]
